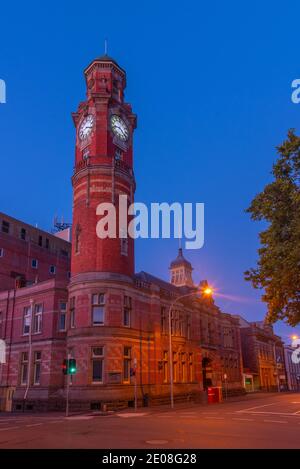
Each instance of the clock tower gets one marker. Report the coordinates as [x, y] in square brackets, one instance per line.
[103, 170]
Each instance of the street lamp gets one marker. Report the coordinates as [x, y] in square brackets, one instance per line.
[206, 292]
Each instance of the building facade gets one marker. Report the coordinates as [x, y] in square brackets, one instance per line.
[263, 357]
[113, 321]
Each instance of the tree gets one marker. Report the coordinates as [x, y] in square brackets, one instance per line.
[278, 266]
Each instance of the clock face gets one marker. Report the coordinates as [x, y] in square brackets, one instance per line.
[119, 127]
[86, 127]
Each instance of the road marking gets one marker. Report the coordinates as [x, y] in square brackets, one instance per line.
[126, 416]
[34, 425]
[246, 420]
[256, 407]
[8, 428]
[216, 418]
[275, 421]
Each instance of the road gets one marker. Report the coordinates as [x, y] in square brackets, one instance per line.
[271, 421]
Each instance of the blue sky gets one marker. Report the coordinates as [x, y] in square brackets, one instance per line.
[211, 84]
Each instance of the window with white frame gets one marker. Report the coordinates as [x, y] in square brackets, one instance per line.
[62, 315]
[97, 364]
[37, 367]
[24, 368]
[98, 304]
[37, 318]
[26, 320]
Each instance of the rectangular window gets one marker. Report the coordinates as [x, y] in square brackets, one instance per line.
[127, 311]
[34, 263]
[98, 303]
[47, 243]
[72, 312]
[23, 234]
[62, 316]
[191, 368]
[126, 364]
[37, 318]
[1, 252]
[1, 324]
[163, 320]
[124, 246]
[97, 364]
[175, 367]
[165, 366]
[40, 241]
[24, 367]
[5, 226]
[26, 320]
[37, 367]
[183, 368]
[52, 269]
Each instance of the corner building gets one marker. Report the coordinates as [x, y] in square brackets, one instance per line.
[113, 321]
[121, 318]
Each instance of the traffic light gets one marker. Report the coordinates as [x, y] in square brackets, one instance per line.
[69, 366]
[72, 366]
[64, 367]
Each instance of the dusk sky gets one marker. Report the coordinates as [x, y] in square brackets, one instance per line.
[211, 85]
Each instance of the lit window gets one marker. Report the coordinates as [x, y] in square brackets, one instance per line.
[98, 303]
[26, 320]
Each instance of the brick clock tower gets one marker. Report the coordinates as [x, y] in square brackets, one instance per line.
[103, 169]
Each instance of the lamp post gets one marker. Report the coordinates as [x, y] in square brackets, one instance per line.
[207, 291]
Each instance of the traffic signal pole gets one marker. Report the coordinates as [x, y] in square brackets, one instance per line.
[68, 387]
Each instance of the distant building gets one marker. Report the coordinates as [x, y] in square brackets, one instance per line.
[30, 255]
[292, 368]
[263, 357]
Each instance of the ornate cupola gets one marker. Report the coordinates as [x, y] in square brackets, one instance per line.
[181, 271]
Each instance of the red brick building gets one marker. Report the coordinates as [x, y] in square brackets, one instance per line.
[111, 320]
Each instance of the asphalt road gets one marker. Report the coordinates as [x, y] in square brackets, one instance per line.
[271, 421]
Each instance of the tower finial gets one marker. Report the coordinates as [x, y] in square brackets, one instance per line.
[105, 46]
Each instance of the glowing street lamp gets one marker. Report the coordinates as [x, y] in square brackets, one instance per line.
[208, 291]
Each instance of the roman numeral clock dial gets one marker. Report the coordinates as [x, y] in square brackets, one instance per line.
[119, 128]
[86, 127]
